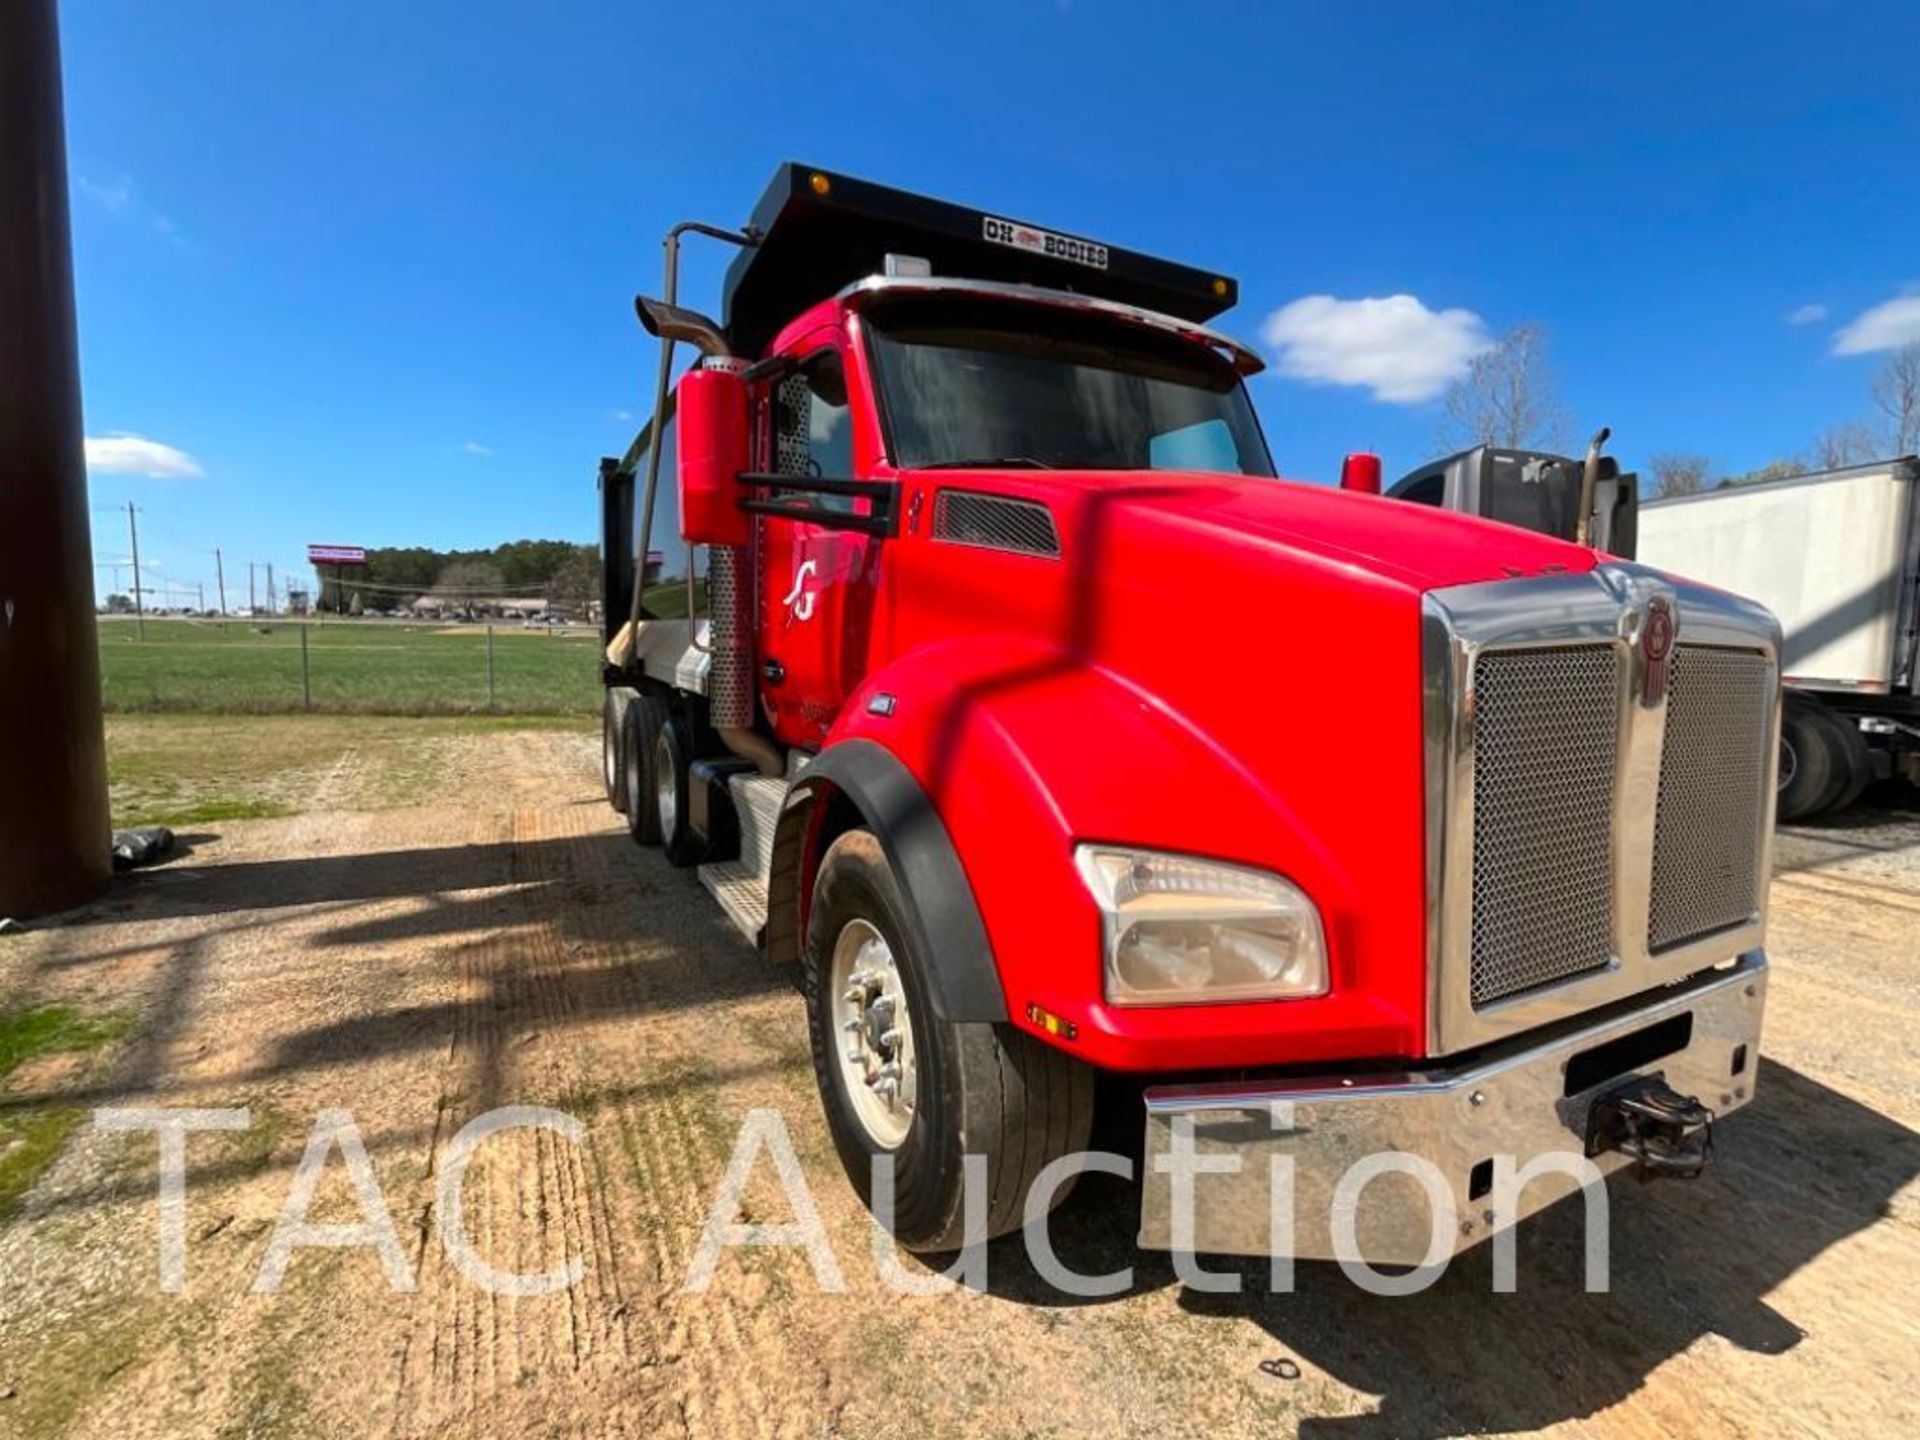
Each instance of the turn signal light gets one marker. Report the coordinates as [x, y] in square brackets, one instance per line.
[1052, 1023]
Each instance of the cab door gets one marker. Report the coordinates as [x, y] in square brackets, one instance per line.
[816, 583]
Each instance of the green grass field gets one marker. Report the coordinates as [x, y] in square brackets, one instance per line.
[358, 667]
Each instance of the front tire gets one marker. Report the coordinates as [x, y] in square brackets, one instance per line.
[896, 1079]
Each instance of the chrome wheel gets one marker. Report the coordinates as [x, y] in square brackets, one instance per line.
[666, 784]
[873, 1034]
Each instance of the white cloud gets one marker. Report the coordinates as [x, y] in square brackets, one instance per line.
[1887, 326]
[623, 415]
[121, 197]
[1394, 345]
[114, 195]
[474, 447]
[120, 453]
[1807, 315]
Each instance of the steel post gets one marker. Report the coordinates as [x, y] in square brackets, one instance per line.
[54, 832]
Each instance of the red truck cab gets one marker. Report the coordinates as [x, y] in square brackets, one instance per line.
[1046, 730]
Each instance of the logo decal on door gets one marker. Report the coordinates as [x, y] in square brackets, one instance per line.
[799, 601]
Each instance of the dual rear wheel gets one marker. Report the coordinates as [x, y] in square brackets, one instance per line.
[1824, 764]
[656, 753]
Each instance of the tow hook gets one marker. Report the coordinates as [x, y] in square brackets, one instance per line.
[1665, 1132]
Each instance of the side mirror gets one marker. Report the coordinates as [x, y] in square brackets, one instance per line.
[1361, 471]
[713, 453]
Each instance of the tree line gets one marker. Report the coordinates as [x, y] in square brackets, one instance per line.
[1892, 429]
[562, 571]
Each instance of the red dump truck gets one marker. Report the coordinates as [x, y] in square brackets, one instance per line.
[1015, 700]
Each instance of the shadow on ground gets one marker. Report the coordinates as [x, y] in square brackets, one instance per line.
[1796, 1173]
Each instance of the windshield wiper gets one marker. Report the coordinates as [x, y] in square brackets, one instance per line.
[993, 462]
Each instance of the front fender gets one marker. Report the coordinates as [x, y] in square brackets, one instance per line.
[1020, 751]
[876, 787]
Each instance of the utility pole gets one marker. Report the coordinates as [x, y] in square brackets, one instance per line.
[253, 605]
[220, 577]
[139, 601]
[54, 836]
[272, 608]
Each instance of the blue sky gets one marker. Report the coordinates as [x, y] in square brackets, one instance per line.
[368, 268]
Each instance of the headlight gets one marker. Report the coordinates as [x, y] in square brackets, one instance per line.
[1181, 931]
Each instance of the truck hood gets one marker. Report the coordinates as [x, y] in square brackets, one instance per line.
[1414, 545]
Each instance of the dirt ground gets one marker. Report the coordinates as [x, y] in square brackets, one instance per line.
[505, 943]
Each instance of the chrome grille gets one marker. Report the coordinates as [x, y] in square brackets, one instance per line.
[995, 522]
[1712, 813]
[1545, 753]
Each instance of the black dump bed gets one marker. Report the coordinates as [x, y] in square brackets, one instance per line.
[820, 231]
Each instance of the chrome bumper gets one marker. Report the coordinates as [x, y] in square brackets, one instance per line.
[1512, 1103]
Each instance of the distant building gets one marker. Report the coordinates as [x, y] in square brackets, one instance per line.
[479, 607]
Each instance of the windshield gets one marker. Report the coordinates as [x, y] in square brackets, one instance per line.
[975, 383]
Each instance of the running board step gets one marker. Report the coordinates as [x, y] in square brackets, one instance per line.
[756, 802]
[741, 893]
[741, 885]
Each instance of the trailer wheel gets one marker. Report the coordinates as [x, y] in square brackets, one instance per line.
[1858, 762]
[643, 719]
[897, 1080]
[667, 774]
[1816, 766]
[613, 749]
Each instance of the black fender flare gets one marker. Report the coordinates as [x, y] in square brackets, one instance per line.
[940, 903]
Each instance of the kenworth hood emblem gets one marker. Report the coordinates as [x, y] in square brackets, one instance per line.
[1656, 650]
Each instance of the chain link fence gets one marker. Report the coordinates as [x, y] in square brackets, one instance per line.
[369, 667]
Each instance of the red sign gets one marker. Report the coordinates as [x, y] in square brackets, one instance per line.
[336, 555]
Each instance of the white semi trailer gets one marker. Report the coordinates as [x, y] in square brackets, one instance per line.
[1836, 556]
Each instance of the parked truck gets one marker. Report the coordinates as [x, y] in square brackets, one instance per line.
[1536, 490]
[1015, 703]
[1835, 555]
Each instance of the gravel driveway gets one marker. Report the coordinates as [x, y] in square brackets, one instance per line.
[508, 945]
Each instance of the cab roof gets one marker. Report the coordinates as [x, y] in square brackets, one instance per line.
[817, 231]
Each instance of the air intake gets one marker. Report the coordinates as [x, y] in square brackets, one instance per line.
[995, 522]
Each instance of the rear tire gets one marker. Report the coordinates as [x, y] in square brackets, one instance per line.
[668, 772]
[643, 720]
[1817, 765]
[981, 1089]
[1858, 758]
[613, 749]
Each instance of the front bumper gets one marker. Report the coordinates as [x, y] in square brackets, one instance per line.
[1702, 1036]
